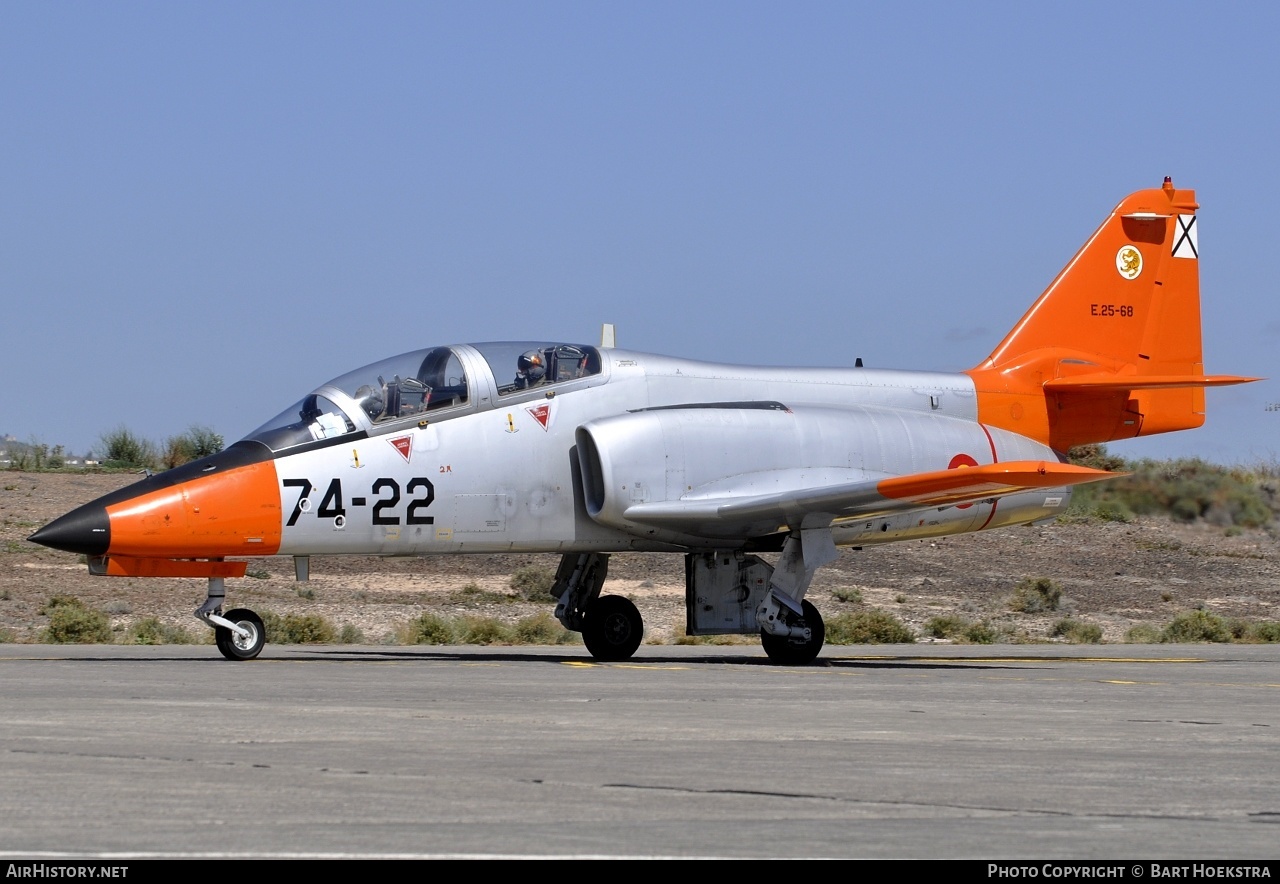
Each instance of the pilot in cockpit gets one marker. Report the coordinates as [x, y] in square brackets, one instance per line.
[370, 399]
[531, 369]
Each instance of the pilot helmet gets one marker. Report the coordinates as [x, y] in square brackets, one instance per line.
[531, 366]
[370, 400]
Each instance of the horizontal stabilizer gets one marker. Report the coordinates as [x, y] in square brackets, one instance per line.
[776, 511]
[1099, 382]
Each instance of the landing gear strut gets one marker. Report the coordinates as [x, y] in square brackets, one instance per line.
[791, 629]
[240, 634]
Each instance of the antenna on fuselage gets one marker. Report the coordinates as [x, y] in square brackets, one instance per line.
[608, 338]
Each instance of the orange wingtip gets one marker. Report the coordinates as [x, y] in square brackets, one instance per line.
[1143, 382]
[974, 483]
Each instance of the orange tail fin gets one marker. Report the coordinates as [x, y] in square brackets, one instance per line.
[1112, 348]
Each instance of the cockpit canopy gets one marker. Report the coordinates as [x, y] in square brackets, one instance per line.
[430, 383]
[516, 364]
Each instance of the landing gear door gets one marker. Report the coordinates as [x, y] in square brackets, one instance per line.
[722, 592]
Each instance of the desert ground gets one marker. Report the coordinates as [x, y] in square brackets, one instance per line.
[1114, 575]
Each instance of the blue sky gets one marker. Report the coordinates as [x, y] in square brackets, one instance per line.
[211, 208]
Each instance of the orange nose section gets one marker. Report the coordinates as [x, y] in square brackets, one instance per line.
[232, 513]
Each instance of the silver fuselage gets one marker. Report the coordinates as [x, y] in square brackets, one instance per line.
[505, 472]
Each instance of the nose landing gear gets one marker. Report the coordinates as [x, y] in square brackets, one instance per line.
[240, 633]
[248, 639]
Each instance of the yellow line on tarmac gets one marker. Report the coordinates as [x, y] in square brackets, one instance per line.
[584, 664]
[888, 658]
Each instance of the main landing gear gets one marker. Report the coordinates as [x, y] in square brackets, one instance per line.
[727, 593]
[803, 643]
[240, 633]
[791, 629]
[611, 626]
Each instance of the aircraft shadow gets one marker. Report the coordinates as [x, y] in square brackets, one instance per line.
[906, 662]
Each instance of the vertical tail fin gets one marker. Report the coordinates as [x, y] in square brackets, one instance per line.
[1112, 348]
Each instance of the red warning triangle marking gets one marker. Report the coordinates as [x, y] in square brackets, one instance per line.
[541, 413]
[404, 445]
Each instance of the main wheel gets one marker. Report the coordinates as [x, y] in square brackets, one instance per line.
[787, 651]
[235, 647]
[612, 628]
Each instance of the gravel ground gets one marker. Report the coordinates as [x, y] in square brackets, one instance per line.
[1113, 575]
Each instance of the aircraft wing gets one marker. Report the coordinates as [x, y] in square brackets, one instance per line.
[822, 505]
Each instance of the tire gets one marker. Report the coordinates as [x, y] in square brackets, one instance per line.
[232, 646]
[612, 628]
[787, 651]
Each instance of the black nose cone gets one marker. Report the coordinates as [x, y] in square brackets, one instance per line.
[85, 530]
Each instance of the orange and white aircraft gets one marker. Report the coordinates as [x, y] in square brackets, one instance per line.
[539, 446]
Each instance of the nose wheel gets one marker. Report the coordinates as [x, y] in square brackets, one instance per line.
[235, 646]
[239, 634]
[612, 628]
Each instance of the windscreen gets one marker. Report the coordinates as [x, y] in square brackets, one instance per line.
[403, 387]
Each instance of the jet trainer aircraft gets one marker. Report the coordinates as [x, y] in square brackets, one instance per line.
[584, 451]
